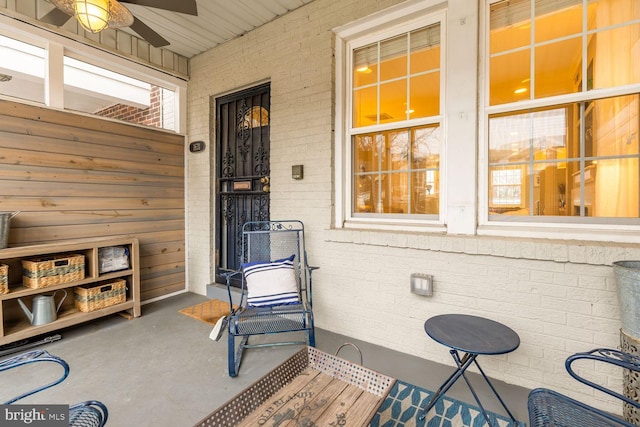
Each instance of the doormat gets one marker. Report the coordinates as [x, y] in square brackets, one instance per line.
[402, 407]
[209, 311]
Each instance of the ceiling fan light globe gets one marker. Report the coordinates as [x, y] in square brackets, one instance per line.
[93, 15]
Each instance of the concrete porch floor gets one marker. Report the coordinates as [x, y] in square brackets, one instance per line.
[162, 369]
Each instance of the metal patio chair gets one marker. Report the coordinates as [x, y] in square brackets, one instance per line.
[548, 408]
[90, 413]
[275, 286]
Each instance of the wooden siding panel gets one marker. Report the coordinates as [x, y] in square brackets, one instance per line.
[75, 177]
[75, 122]
[101, 216]
[23, 126]
[36, 173]
[84, 144]
[33, 235]
[69, 189]
[47, 203]
[22, 156]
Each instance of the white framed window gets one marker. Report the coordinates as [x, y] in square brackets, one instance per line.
[44, 68]
[390, 129]
[561, 106]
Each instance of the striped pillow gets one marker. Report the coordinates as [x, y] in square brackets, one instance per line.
[271, 283]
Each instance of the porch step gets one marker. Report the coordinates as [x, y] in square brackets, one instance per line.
[219, 291]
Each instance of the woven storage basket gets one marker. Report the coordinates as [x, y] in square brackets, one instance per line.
[93, 297]
[4, 279]
[52, 270]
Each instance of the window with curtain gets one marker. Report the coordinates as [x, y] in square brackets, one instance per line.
[562, 110]
[395, 123]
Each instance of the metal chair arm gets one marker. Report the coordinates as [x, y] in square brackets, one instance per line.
[228, 275]
[606, 355]
[33, 357]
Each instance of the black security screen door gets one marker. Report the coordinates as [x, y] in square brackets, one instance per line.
[242, 170]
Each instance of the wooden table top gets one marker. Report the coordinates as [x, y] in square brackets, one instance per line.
[316, 399]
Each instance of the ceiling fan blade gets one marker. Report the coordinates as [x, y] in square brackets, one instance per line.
[148, 34]
[55, 17]
[183, 6]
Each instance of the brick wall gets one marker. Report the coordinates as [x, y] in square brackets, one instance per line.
[151, 116]
[558, 295]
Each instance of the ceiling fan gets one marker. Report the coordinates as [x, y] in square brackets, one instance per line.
[96, 15]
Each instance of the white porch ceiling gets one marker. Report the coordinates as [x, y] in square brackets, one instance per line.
[218, 21]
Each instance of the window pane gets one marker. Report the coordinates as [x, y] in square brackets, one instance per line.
[396, 144]
[555, 19]
[396, 200]
[509, 77]
[397, 171]
[510, 25]
[21, 70]
[366, 194]
[365, 65]
[620, 46]
[424, 100]
[602, 14]
[393, 58]
[425, 49]
[510, 138]
[555, 67]
[425, 163]
[393, 101]
[367, 154]
[425, 197]
[425, 150]
[613, 126]
[365, 106]
[614, 188]
[583, 162]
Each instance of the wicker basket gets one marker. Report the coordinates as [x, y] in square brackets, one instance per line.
[95, 296]
[4, 279]
[52, 270]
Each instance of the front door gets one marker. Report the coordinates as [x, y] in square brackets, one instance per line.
[242, 170]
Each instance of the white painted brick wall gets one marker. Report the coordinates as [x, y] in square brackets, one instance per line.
[559, 296]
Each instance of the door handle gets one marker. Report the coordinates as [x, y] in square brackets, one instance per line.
[264, 180]
[265, 188]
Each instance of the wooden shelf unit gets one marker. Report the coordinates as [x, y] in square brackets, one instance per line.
[14, 324]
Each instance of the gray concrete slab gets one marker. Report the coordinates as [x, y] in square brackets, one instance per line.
[161, 369]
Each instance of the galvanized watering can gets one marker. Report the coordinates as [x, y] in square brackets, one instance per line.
[43, 308]
[5, 219]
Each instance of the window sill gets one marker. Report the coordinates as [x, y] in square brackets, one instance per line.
[505, 242]
[574, 232]
[395, 225]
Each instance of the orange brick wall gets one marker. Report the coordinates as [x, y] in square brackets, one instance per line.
[151, 116]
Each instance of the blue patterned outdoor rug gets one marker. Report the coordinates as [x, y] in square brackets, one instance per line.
[401, 408]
